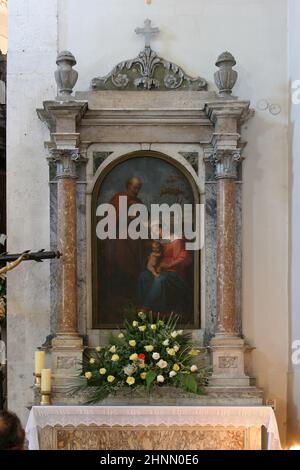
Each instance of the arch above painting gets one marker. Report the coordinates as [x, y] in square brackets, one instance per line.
[101, 157]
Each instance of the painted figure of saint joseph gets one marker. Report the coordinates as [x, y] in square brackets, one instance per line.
[124, 258]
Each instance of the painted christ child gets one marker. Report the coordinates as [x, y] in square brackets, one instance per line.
[155, 258]
[168, 291]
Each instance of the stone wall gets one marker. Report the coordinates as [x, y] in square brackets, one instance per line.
[294, 141]
[32, 54]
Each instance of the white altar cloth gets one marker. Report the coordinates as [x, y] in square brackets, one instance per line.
[237, 416]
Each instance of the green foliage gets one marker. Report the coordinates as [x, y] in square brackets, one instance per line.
[149, 352]
[151, 376]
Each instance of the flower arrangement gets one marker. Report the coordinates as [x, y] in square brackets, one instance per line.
[147, 353]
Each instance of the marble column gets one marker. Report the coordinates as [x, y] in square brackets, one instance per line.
[67, 345]
[227, 346]
[67, 239]
[225, 172]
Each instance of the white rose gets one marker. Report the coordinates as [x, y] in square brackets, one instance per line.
[156, 356]
[172, 373]
[194, 368]
[176, 348]
[130, 369]
[180, 332]
[166, 342]
[174, 334]
[160, 378]
[162, 364]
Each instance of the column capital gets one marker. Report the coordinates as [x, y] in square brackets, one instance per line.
[66, 161]
[225, 162]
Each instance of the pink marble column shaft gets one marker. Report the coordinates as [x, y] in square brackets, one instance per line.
[67, 245]
[226, 257]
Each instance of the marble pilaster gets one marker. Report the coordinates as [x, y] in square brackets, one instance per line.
[227, 345]
[66, 160]
[67, 344]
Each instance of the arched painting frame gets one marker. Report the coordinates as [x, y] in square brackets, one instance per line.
[114, 289]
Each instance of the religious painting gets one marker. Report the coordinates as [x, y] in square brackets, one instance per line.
[148, 273]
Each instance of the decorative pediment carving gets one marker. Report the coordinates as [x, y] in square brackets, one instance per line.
[148, 71]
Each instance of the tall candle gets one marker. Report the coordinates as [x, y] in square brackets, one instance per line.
[46, 380]
[39, 361]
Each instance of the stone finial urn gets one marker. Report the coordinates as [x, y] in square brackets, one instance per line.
[225, 77]
[65, 76]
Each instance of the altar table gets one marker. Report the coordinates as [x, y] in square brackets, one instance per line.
[151, 428]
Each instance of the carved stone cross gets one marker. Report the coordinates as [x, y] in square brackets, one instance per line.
[147, 31]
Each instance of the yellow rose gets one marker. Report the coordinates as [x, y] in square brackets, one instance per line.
[132, 343]
[142, 365]
[142, 328]
[171, 351]
[102, 371]
[113, 349]
[130, 380]
[133, 357]
[153, 327]
[194, 352]
[88, 375]
[149, 348]
[176, 367]
[120, 335]
[135, 323]
[98, 348]
[143, 375]
[110, 378]
[115, 358]
[92, 360]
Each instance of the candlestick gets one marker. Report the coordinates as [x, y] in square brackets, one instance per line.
[46, 399]
[37, 380]
[46, 387]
